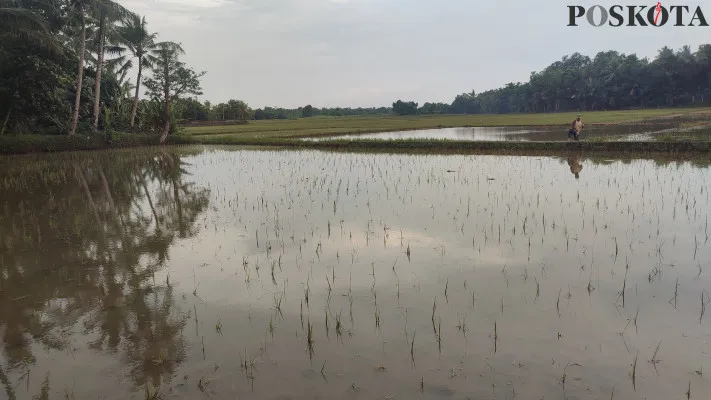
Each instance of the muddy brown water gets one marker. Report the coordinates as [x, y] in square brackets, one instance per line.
[234, 273]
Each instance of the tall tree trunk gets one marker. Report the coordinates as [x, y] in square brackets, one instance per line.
[138, 87]
[178, 204]
[150, 203]
[7, 118]
[107, 192]
[90, 199]
[80, 74]
[112, 206]
[99, 70]
[166, 111]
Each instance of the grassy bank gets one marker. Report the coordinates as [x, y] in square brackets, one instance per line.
[20, 144]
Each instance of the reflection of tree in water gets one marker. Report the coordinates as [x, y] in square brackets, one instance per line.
[82, 238]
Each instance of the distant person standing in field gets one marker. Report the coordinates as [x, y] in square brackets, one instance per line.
[576, 128]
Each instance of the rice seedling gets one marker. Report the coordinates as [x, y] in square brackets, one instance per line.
[339, 326]
[462, 325]
[672, 301]
[564, 377]
[439, 335]
[412, 348]
[627, 209]
[496, 337]
[310, 339]
[654, 359]
[446, 288]
[277, 304]
[301, 315]
[634, 373]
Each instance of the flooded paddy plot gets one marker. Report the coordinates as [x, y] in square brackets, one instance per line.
[466, 134]
[623, 132]
[306, 274]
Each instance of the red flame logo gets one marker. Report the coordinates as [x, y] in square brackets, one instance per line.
[659, 12]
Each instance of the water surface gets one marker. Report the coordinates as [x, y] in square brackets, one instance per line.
[309, 274]
[624, 132]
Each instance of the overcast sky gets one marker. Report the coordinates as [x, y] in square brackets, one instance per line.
[290, 53]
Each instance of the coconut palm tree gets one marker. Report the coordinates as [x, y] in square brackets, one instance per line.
[171, 79]
[139, 41]
[107, 14]
[103, 9]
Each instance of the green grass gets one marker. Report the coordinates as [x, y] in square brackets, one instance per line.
[318, 126]
[19, 144]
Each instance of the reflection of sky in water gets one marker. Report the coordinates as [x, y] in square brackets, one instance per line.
[518, 233]
[417, 195]
[630, 132]
[466, 134]
[461, 227]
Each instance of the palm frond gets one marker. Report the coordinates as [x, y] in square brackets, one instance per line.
[26, 25]
[112, 10]
[135, 36]
[16, 20]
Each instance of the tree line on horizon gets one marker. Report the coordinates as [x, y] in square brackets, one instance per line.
[69, 66]
[609, 81]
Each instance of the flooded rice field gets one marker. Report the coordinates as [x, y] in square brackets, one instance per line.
[618, 132]
[464, 134]
[226, 273]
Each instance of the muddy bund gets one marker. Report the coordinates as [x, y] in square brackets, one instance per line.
[229, 273]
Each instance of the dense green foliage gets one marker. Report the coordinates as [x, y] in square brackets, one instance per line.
[64, 68]
[609, 81]
[405, 108]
